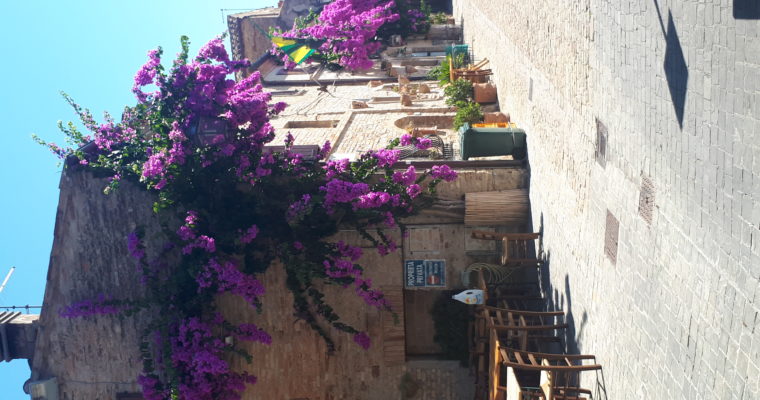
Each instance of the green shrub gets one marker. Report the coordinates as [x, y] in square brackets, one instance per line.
[459, 93]
[438, 18]
[461, 60]
[440, 72]
[469, 112]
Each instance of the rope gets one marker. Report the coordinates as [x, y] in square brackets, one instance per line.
[493, 274]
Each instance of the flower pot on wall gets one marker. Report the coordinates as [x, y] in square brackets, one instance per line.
[495, 117]
[484, 93]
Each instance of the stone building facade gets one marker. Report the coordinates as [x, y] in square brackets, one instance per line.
[643, 123]
[98, 358]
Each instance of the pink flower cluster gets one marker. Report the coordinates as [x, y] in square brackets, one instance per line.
[348, 28]
[201, 89]
[152, 388]
[250, 234]
[339, 191]
[386, 157]
[336, 167]
[342, 265]
[187, 233]
[407, 177]
[422, 143]
[202, 242]
[372, 297]
[227, 277]
[135, 246]
[198, 354]
[252, 333]
[363, 340]
[372, 200]
[101, 305]
[384, 249]
[297, 210]
[146, 75]
[443, 172]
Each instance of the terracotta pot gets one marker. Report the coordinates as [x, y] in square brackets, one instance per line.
[484, 93]
[495, 117]
[422, 131]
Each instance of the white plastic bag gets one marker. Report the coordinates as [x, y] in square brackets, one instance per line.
[471, 296]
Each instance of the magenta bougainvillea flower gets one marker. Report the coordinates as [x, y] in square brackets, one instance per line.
[363, 340]
[347, 29]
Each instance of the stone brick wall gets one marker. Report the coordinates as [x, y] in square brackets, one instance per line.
[439, 380]
[92, 358]
[675, 86]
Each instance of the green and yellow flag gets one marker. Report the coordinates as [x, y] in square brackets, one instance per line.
[297, 50]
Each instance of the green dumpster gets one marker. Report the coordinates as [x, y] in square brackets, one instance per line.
[486, 142]
[455, 50]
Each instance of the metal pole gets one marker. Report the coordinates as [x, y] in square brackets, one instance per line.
[7, 277]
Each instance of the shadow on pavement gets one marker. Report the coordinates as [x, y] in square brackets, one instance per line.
[676, 71]
[560, 298]
[746, 9]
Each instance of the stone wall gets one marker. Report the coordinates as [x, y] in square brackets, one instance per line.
[670, 307]
[248, 33]
[92, 357]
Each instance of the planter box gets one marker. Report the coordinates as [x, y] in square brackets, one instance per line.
[484, 93]
[495, 117]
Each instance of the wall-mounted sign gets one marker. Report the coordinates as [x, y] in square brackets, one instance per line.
[425, 273]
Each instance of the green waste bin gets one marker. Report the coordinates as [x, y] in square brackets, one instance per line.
[457, 49]
[487, 142]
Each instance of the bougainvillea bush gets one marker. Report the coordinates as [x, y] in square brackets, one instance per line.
[413, 19]
[347, 32]
[238, 206]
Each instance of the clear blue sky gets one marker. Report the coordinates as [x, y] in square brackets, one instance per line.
[91, 50]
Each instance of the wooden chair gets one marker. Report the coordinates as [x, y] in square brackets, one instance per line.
[478, 333]
[505, 295]
[478, 327]
[556, 371]
[515, 391]
[494, 327]
[519, 327]
[515, 247]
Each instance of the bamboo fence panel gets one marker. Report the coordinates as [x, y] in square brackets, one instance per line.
[504, 207]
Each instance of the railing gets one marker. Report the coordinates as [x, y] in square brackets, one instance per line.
[26, 308]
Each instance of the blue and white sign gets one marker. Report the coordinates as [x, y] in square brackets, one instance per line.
[425, 273]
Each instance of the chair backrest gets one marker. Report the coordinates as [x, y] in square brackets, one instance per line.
[516, 328]
[516, 248]
[534, 361]
[503, 319]
[493, 366]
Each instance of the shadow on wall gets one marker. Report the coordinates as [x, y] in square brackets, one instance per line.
[561, 299]
[441, 6]
[746, 9]
[676, 71]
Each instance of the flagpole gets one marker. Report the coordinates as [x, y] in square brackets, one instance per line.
[7, 277]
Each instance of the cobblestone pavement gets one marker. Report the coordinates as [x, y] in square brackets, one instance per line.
[654, 239]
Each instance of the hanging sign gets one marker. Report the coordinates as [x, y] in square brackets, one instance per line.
[425, 273]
